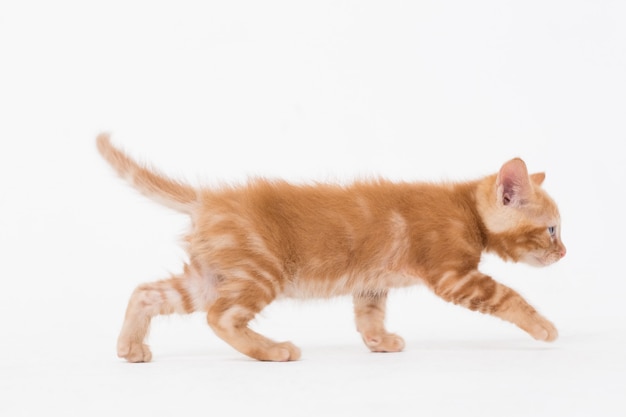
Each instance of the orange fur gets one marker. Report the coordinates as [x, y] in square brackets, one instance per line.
[268, 239]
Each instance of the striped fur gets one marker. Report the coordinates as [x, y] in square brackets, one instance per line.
[252, 244]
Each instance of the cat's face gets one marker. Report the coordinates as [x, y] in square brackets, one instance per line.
[522, 218]
[540, 242]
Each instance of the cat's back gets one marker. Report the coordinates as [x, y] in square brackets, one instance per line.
[320, 210]
[284, 201]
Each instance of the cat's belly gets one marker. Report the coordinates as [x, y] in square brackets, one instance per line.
[318, 287]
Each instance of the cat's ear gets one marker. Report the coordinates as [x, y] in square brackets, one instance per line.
[538, 178]
[513, 185]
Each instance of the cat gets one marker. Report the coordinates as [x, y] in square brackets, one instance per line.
[254, 243]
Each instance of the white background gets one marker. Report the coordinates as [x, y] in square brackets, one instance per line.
[216, 92]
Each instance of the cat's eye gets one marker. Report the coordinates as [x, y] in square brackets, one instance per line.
[552, 230]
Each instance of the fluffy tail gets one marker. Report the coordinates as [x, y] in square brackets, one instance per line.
[169, 192]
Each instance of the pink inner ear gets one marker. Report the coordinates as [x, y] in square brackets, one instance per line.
[513, 183]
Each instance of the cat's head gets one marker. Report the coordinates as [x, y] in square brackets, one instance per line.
[522, 221]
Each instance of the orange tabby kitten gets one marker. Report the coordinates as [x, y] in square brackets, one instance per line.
[268, 239]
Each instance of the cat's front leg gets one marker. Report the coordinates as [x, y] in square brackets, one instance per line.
[369, 311]
[479, 292]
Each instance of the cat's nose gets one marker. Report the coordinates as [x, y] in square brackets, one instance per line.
[563, 251]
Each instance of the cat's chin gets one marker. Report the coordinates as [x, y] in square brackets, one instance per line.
[533, 261]
[540, 261]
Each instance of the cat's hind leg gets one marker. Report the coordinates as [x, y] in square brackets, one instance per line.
[241, 296]
[369, 311]
[174, 295]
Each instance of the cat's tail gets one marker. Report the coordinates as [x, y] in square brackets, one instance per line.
[150, 183]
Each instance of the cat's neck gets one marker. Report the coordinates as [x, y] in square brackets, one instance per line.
[473, 193]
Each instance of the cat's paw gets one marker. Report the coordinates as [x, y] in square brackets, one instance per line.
[134, 352]
[542, 329]
[282, 352]
[386, 342]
